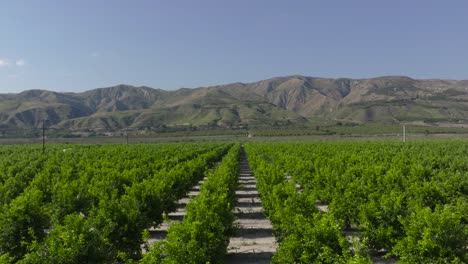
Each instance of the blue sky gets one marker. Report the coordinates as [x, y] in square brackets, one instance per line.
[81, 45]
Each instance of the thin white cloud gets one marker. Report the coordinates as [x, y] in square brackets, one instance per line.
[94, 54]
[4, 63]
[20, 62]
[12, 76]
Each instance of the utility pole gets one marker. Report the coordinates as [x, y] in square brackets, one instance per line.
[43, 136]
[404, 133]
[126, 135]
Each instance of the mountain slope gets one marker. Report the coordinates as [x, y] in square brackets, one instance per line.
[276, 101]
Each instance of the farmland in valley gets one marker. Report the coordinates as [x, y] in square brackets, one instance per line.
[318, 202]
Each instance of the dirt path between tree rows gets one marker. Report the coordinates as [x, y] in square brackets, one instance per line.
[159, 233]
[254, 241]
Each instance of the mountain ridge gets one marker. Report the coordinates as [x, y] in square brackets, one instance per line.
[285, 100]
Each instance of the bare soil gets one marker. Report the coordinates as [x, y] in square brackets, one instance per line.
[254, 241]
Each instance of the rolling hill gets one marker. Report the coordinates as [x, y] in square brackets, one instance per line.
[276, 101]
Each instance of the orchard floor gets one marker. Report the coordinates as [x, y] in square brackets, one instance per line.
[254, 241]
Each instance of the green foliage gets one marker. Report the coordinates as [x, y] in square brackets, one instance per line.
[21, 223]
[397, 199]
[74, 241]
[305, 235]
[92, 203]
[380, 220]
[315, 240]
[204, 234]
[439, 236]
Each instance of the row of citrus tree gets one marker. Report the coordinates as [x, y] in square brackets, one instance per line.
[304, 234]
[203, 236]
[408, 201]
[92, 203]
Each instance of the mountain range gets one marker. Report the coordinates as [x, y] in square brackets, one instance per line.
[276, 101]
